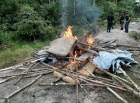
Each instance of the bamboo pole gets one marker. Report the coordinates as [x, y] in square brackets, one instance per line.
[123, 84]
[77, 95]
[117, 95]
[22, 88]
[129, 79]
[26, 71]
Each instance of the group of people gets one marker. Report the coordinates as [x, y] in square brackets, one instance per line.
[124, 18]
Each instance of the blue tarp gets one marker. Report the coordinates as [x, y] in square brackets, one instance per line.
[105, 59]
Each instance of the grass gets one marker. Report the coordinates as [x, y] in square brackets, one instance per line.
[134, 35]
[19, 52]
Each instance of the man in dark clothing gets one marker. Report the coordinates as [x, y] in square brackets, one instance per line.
[127, 18]
[110, 22]
[121, 21]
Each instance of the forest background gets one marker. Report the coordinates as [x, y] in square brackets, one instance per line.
[29, 24]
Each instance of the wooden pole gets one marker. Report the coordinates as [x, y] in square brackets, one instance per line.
[123, 84]
[22, 88]
[129, 79]
[117, 95]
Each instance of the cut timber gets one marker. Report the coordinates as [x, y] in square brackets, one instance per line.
[61, 46]
[90, 67]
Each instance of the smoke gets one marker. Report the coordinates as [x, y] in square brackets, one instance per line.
[78, 13]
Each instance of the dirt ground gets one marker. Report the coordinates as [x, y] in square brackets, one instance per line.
[67, 94]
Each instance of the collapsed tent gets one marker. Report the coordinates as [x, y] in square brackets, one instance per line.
[113, 60]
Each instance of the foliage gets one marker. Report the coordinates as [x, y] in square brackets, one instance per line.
[134, 35]
[122, 6]
[39, 20]
[9, 56]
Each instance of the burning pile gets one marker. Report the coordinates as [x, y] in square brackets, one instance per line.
[71, 60]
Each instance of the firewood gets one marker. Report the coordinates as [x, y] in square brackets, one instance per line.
[26, 71]
[101, 83]
[22, 88]
[20, 74]
[117, 95]
[86, 93]
[129, 79]
[77, 95]
[87, 50]
[123, 84]
[54, 84]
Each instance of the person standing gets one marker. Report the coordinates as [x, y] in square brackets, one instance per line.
[121, 21]
[112, 21]
[127, 18]
[109, 22]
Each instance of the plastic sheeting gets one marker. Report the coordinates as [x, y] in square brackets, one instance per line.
[105, 59]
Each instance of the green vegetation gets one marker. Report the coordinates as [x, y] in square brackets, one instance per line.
[134, 35]
[34, 22]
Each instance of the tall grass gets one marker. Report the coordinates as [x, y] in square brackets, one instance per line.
[10, 56]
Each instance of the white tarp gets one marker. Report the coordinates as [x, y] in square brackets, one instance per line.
[115, 59]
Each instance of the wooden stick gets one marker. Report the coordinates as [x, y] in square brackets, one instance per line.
[22, 88]
[41, 72]
[26, 71]
[117, 95]
[11, 68]
[88, 50]
[77, 95]
[129, 79]
[5, 80]
[17, 65]
[123, 84]
[88, 72]
[122, 79]
[86, 93]
[101, 83]
[54, 84]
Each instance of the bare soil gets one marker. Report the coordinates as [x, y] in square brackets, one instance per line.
[67, 94]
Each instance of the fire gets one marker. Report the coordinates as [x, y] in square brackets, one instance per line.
[90, 40]
[68, 33]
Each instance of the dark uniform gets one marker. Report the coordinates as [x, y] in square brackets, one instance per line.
[127, 18]
[121, 21]
[110, 19]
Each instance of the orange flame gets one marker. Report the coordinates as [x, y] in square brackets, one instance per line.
[68, 33]
[90, 40]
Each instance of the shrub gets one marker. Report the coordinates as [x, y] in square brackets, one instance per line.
[135, 35]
